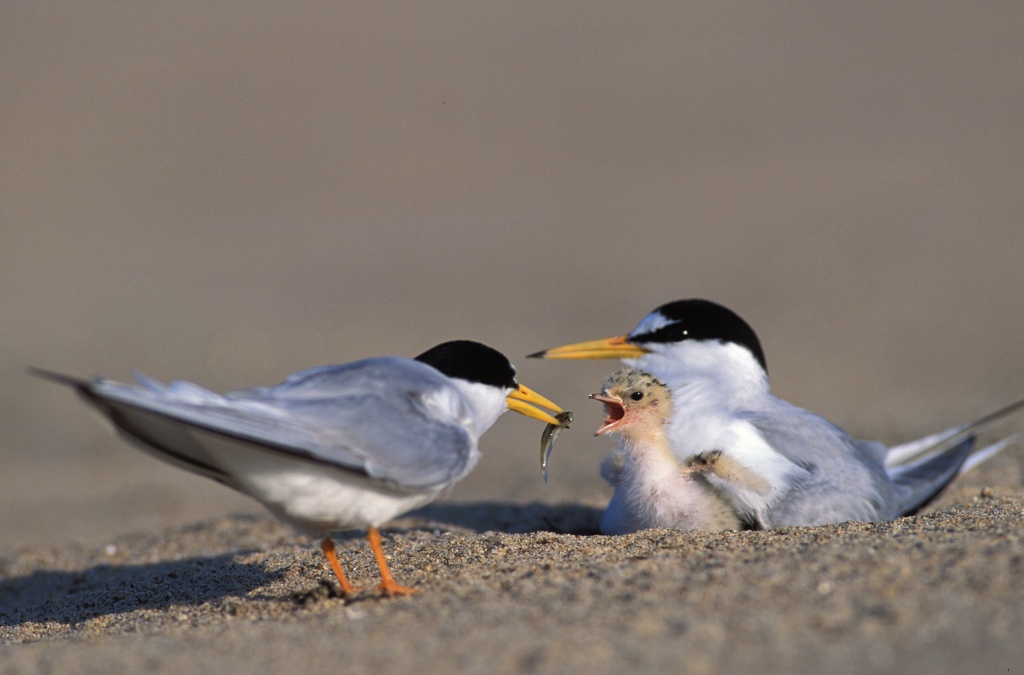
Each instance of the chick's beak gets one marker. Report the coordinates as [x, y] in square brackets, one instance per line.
[614, 412]
[607, 348]
[520, 399]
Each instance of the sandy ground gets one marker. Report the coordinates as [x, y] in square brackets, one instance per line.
[228, 193]
[932, 593]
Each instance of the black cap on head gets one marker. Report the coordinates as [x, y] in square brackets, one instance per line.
[471, 361]
[703, 320]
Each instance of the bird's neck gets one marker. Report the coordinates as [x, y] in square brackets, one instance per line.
[483, 405]
[708, 375]
[649, 463]
[647, 440]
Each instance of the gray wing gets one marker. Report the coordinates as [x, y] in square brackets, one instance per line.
[849, 479]
[843, 479]
[376, 417]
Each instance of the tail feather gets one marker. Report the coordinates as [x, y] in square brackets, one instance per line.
[202, 432]
[159, 435]
[923, 479]
[943, 441]
[77, 383]
[988, 452]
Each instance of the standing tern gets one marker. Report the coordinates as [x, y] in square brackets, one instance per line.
[797, 467]
[333, 447]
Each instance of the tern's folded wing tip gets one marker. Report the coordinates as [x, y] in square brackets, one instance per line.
[54, 376]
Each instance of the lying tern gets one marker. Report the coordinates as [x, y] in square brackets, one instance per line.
[787, 465]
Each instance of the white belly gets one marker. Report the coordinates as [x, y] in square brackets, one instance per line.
[310, 495]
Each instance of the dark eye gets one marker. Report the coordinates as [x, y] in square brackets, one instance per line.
[636, 395]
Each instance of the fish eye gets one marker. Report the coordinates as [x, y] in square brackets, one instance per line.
[636, 395]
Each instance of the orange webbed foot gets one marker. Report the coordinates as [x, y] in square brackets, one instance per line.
[388, 586]
[394, 589]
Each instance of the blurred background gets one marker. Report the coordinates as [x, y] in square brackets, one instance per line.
[228, 192]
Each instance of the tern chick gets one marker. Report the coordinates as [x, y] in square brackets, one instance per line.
[333, 447]
[653, 487]
[785, 465]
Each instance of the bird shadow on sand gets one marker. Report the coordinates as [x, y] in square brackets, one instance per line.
[76, 596]
[506, 518]
[71, 597]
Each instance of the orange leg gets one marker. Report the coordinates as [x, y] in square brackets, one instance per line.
[388, 585]
[328, 548]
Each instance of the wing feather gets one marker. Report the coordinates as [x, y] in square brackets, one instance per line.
[393, 420]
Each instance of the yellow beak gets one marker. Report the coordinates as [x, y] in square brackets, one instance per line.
[520, 399]
[607, 348]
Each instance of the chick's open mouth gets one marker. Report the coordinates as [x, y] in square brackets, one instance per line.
[613, 411]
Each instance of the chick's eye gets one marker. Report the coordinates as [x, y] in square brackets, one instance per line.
[636, 395]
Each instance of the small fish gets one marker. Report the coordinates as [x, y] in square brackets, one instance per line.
[548, 438]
